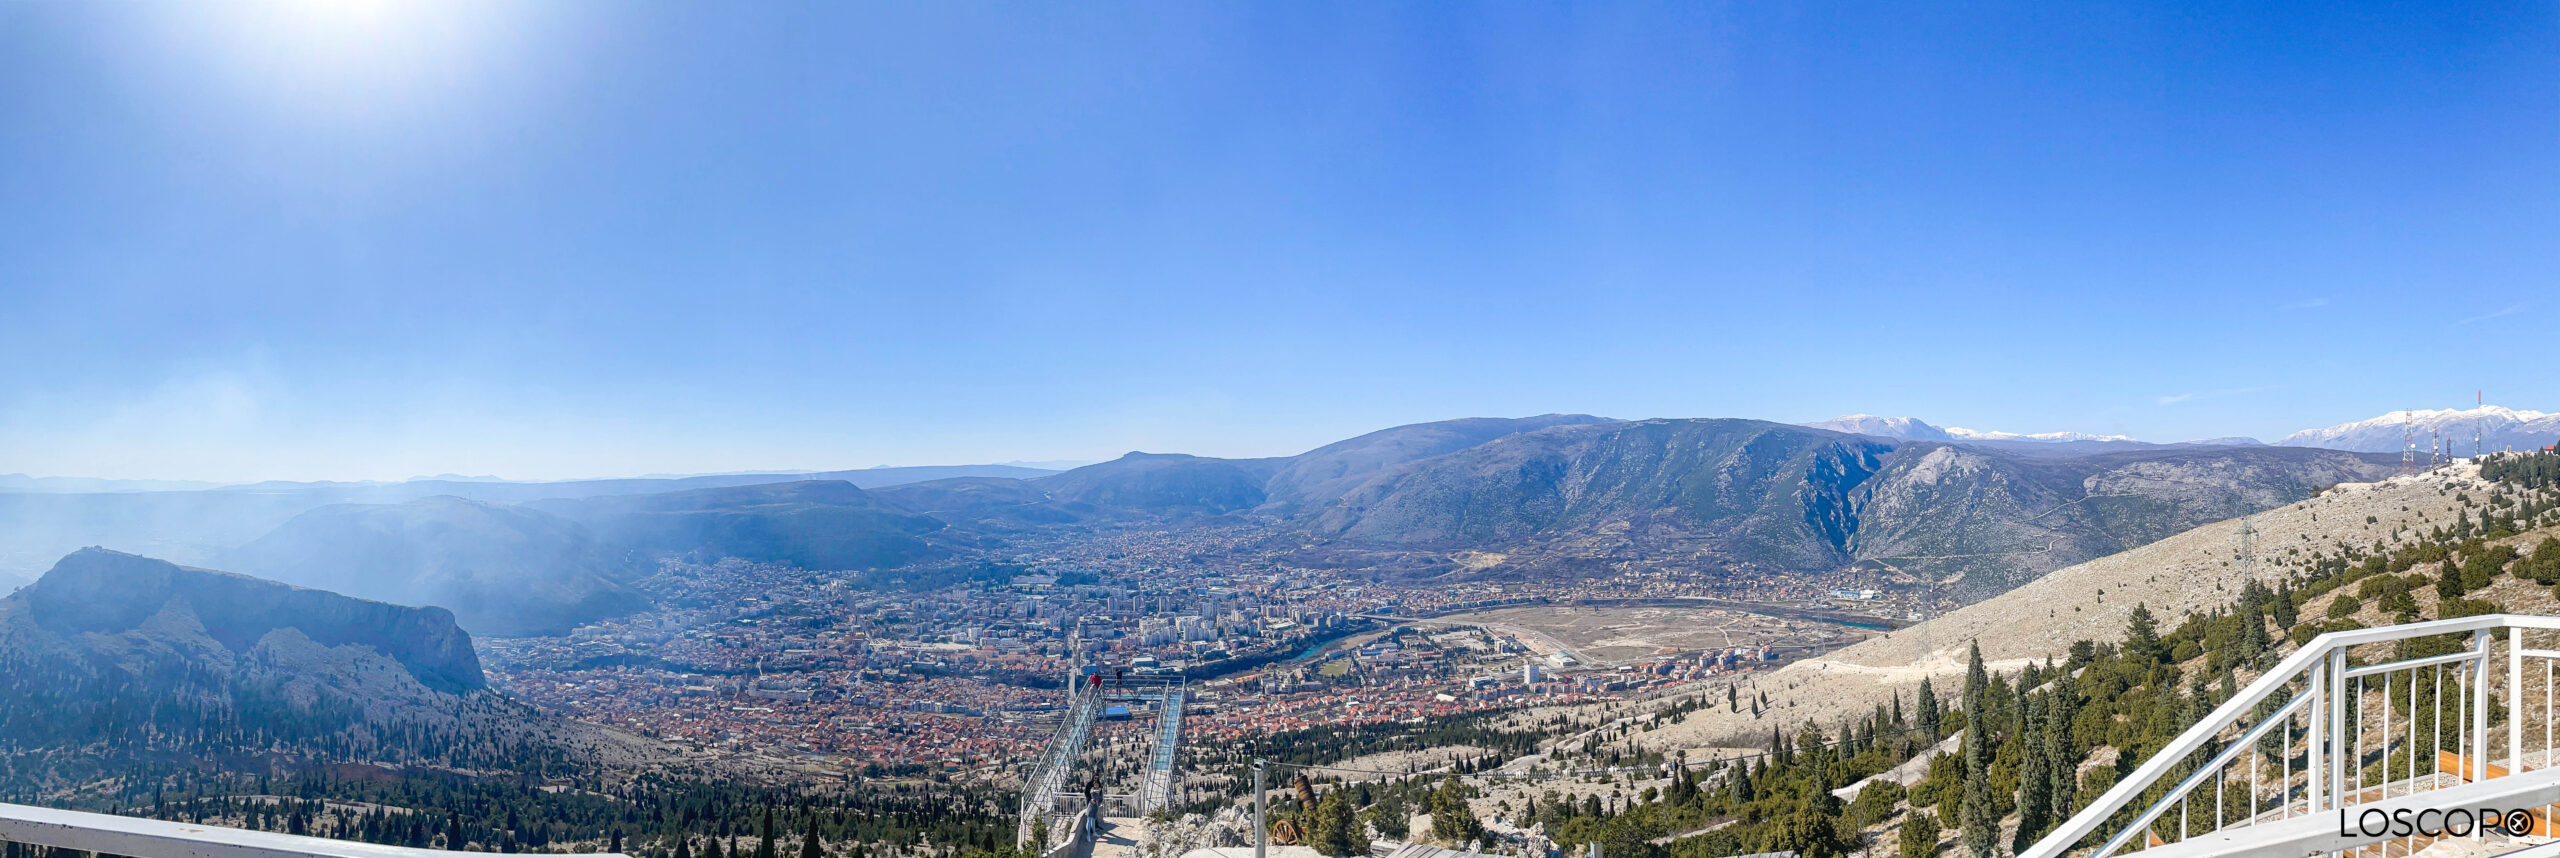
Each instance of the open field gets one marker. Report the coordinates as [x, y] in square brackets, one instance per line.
[1606, 634]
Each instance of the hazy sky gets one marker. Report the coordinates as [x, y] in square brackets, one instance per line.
[349, 239]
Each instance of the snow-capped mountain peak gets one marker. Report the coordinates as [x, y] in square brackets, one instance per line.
[2495, 428]
[1906, 428]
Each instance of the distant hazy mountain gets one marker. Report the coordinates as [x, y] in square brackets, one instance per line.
[1912, 429]
[1165, 483]
[24, 483]
[43, 519]
[987, 503]
[2497, 428]
[1963, 434]
[814, 524]
[2229, 441]
[1906, 428]
[502, 570]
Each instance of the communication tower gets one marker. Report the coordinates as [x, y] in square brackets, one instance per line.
[2248, 550]
[2408, 445]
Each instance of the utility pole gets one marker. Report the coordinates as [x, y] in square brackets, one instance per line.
[1261, 827]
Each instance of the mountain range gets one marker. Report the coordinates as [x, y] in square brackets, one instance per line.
[1752, 497]
[1896, 499]
[2487, 428]
[41, 520]
[2494, 428]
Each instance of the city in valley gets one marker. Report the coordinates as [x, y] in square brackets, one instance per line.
[958, 675]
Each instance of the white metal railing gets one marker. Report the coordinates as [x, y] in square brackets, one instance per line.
[1155, 790]
[108, 834]
[1047, 777]
[2361, 729]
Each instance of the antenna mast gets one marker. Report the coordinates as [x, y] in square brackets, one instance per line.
[2248, 550]
[2408, 445]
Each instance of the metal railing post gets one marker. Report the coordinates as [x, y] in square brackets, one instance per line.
[2315, 765]
[1261, 827]
[2480, 708]
[2515, 701]
[2337, 726]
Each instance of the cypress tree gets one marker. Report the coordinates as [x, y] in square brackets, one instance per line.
[1977, 821]
[2035, 784]
[764, 835]
[2062, 762]
[1928, 709]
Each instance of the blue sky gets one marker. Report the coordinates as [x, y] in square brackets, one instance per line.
[354, 239]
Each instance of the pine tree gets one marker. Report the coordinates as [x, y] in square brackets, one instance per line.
[2142, 635]
[1920, 835]
[1452, 820]
[1337, 827]
[1928, 706]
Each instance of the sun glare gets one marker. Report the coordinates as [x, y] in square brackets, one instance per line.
[350, 59]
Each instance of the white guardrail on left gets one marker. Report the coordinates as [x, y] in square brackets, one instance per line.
[158, 838]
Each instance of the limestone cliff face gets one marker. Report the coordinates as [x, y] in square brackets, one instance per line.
[141, 615]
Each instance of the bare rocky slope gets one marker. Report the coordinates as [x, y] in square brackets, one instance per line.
[1973, 519]
[2194, 571]
[241, 672]
[104, 610]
